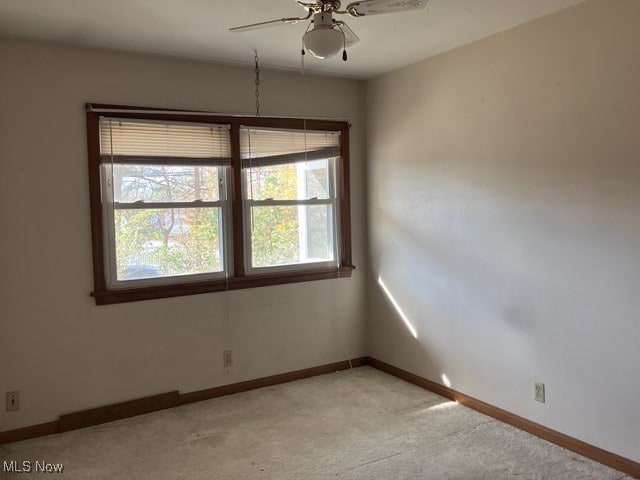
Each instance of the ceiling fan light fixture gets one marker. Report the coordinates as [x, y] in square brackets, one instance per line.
[324, 40]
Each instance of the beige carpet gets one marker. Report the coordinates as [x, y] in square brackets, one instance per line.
[359, 424]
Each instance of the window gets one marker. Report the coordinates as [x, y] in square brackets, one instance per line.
[289, 195]
[164, 200]
[186, 203]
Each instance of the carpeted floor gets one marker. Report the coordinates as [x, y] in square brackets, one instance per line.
[359, 424]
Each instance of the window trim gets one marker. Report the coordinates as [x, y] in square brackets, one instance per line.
[239, 279]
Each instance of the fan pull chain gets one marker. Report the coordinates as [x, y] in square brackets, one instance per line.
[257, 70]
[344, 46]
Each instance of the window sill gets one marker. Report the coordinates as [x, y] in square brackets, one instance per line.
[108, 297]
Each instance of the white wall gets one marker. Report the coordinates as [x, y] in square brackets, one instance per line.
[65, 354]
[504, 217]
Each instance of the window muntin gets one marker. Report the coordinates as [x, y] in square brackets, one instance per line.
[289, 199]
[164, 196]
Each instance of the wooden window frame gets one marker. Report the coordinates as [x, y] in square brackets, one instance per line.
[104, 295]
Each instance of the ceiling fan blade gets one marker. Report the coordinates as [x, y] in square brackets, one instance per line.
[270, 23]
[377, 7]
[350, 37]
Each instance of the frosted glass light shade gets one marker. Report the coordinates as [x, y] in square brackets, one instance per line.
[323, 42]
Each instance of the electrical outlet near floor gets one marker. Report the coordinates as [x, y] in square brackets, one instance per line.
[13, 401]
[227, 358]
[539, 389]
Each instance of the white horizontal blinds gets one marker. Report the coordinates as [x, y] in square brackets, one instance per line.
[262, 147]
[140, 142]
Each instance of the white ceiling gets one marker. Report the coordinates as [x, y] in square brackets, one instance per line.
[199, 29]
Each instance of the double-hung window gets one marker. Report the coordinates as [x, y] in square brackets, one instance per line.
[289, 194]
[165, 200]
[185, 203]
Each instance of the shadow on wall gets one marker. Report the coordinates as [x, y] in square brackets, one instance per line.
[485, 261]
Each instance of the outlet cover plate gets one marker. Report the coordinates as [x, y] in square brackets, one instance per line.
[539, 392]
[13, 401]
[227, 358]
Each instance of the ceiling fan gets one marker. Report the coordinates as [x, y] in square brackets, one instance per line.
[325, 36]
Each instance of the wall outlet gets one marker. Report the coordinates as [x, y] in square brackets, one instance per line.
[539, 392]
[13, 401]
[227, 358]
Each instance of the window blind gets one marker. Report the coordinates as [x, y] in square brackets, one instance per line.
[261, 147]
[126, 141]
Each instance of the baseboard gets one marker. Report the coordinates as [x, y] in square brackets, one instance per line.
[609, 459]
[25, 433]
[269, 381]
[118, 411]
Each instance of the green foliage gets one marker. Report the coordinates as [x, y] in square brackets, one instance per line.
[275, 235]
[191, 246]
[174, 241]
[275, 230]
[178, 241]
